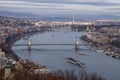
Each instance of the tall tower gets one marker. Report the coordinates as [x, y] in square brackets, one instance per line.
[7, 69]
[88, 28]
[73, 19]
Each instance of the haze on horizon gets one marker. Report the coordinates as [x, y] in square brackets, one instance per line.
[62, 7]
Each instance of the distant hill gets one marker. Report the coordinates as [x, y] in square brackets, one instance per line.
[99, 17]
[57, 17]
[15, 15]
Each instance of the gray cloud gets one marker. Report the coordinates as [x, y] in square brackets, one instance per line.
[114, 9]
[99, 3]
[80, 2]
[74, 7]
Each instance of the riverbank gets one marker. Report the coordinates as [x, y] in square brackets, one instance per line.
[108, 49]
[9, 42]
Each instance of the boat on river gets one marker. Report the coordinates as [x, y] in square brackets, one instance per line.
[81, 53]
[100, 51]
[76, 62]
[108, 54]
[25, 38]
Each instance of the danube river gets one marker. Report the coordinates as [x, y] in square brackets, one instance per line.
[53, 56]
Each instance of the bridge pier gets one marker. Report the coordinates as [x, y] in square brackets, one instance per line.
[77, 45]
[29, 45]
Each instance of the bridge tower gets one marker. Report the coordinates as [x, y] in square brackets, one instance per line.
[77, 44]
[29, 45]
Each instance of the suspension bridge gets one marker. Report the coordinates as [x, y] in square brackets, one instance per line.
[30, 44]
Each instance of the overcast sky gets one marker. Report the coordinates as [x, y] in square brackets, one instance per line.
[62, 7]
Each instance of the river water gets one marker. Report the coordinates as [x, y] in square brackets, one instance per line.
[53, 56]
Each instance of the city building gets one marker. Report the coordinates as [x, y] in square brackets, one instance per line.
[98, 37]
[2, 54]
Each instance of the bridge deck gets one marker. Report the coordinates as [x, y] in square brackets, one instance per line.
[43, 44]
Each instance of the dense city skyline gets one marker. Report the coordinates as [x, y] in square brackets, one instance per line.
[62, 7]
